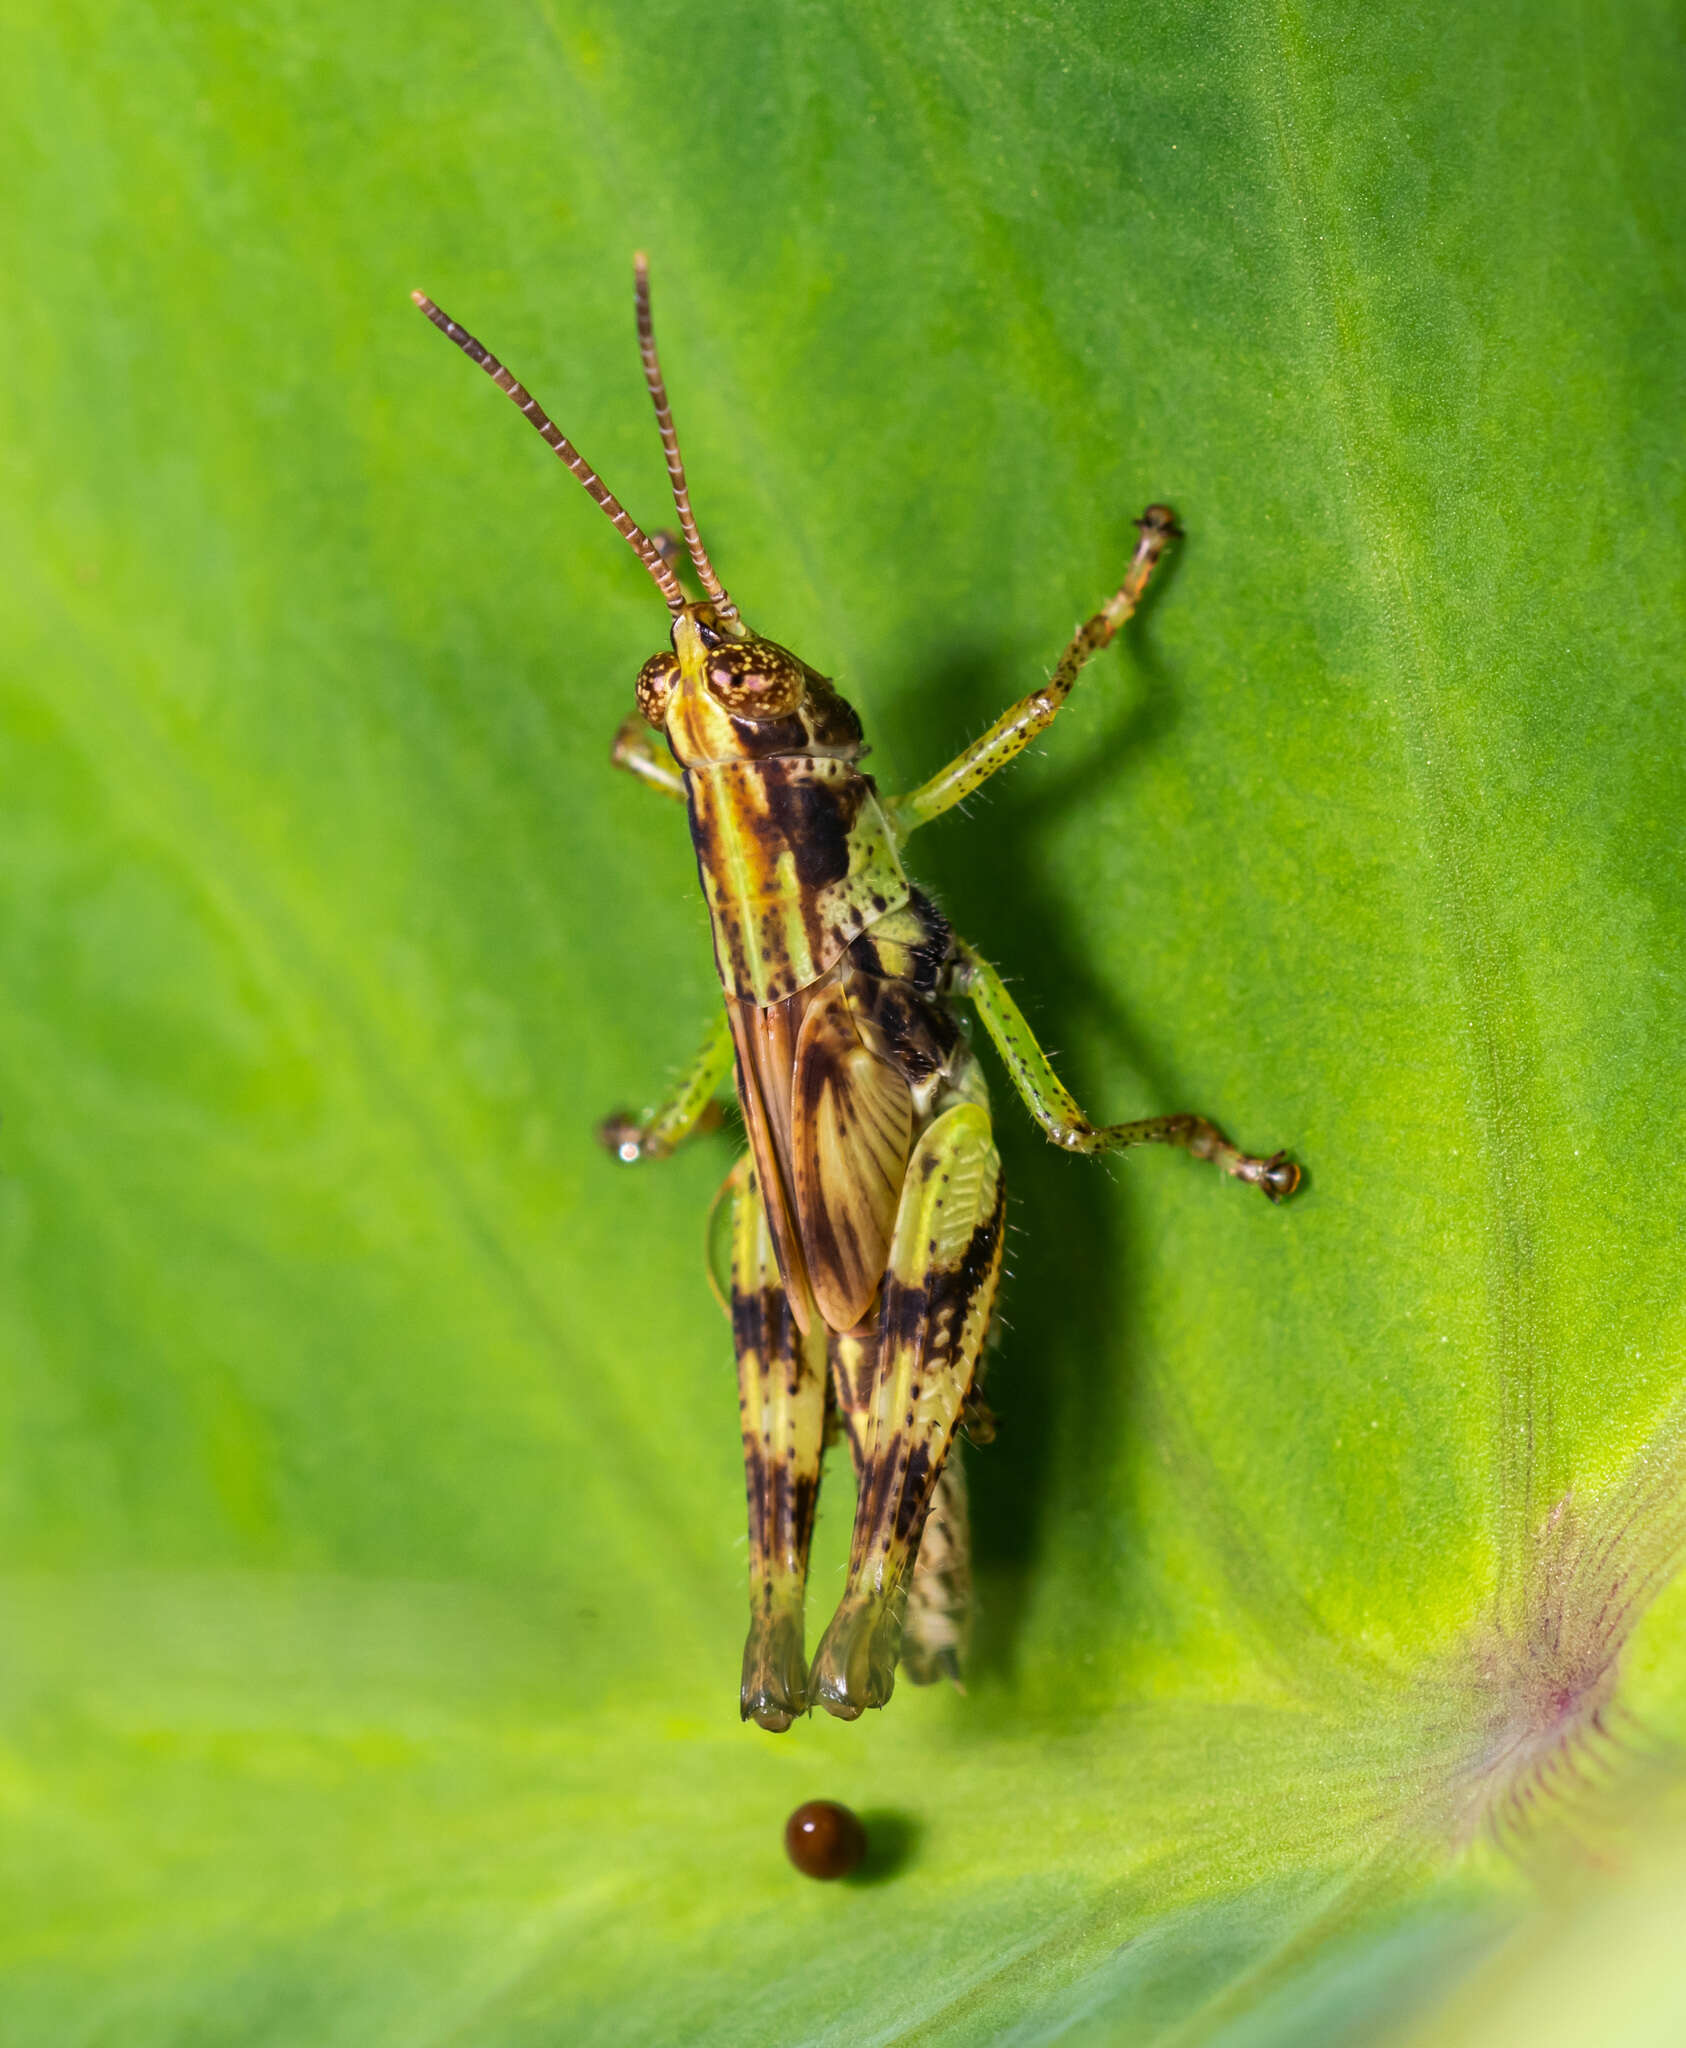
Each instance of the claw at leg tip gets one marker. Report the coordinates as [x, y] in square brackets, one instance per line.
[774, 1719]
[774, 1689]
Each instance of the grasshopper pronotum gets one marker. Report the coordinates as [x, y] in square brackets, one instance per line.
[866, 1216]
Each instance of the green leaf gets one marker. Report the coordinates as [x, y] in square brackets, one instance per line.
[369, 1486]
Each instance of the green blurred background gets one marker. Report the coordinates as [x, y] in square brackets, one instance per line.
[371, 1549]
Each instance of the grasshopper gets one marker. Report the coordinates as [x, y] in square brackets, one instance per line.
[866, 1215]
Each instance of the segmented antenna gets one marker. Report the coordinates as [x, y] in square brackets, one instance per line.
[622, 521]
[670, 439]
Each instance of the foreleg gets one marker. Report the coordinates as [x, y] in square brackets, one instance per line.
[1014, 730]
[635, 751]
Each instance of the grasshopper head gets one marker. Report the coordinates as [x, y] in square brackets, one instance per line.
[725, 694]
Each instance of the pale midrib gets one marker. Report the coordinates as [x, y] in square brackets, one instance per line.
[1498, 1091]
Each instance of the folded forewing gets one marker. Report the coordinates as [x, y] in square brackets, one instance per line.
[851, 1131]
[765, 1043]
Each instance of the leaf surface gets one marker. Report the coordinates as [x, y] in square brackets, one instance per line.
[369, 1487]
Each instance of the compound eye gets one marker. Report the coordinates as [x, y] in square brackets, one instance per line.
[654, 688]
[756, 679]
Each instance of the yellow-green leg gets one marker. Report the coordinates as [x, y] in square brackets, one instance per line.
[933, 1317]
[937, 1625]
[781, 1409]
[692, 1106]
[1014, 730]
[1052, 1105]
[635, 750]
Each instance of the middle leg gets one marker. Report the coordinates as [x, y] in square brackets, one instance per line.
[693, 1105]
[1048, 1099]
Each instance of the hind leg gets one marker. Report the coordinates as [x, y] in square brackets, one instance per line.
[933, 1317]
[781, 1409]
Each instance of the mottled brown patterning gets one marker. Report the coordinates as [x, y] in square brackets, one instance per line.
[937, 1629]
[866, 1221]
[851, 1131]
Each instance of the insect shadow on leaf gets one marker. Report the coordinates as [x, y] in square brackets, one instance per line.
[1072, 1286]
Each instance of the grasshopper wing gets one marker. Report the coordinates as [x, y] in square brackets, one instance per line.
[765, 1043]
[939, 1291]
[851, 1131]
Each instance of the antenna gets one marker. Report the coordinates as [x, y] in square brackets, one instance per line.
[622, 521]
[670, 439]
